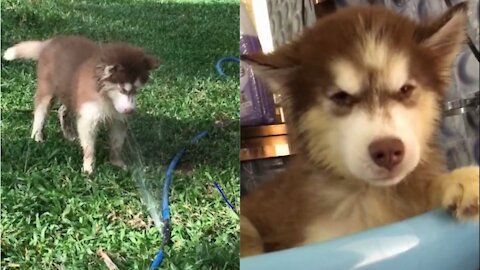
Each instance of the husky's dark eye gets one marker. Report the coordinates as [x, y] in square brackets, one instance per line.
[342, 98]
[406, 90]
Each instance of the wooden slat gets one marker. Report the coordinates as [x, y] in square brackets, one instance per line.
[264, 147]
[263, 131]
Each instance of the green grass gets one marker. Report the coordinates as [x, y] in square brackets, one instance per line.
[53, 216]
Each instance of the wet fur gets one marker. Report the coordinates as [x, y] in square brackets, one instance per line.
[95, 83]
[318, 197]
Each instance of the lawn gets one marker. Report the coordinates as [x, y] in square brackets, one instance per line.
[55, 217]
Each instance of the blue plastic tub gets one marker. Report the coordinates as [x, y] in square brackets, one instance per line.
[430, 241]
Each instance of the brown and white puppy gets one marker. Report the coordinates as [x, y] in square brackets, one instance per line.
[94, 82]
[363, 90]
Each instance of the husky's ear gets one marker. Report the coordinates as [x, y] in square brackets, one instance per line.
[108, 70]
[152, 62]
[445, 35]
[275, 68]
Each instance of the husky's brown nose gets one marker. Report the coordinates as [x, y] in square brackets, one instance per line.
[387, 152]
[129, 111]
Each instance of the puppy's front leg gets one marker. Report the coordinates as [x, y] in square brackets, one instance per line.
[87, 123]
[118, 133]
[459, 192]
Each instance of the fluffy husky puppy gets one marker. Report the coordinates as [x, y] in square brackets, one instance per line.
[363, 90]
[94, 82]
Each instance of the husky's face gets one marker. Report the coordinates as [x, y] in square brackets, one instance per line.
[124, 70]
[362, 88]
[122, 94]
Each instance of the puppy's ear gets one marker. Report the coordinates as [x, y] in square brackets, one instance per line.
[152, 62]
[445, 35]
[109, 70]
[275, 68]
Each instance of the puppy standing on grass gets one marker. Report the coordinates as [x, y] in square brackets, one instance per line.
[363, 90]
[94, 82]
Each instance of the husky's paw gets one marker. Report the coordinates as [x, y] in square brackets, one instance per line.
[87, 169]
[37, 136]
[10, 54]
[251, 243]
[118, 163]
[461, 195]
[69, 135]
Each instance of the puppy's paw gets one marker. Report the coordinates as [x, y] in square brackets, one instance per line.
[10, 54]
[70, 136]
[461, 195]
[251, 243]
[118, 163]
[87, 169]
[37, 136]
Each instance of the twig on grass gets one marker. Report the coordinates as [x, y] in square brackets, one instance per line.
[106, 259]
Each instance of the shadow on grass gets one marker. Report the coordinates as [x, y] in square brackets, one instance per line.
[158, 139]
[172, 135]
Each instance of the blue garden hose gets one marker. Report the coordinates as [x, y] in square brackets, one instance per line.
[220, 62]
[224, 197]
[166, 232]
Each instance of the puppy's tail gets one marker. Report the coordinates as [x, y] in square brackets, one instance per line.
[25, 50]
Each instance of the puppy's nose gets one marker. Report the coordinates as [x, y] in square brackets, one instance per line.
[128, 110]
[387, 152]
